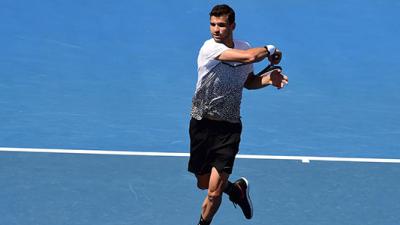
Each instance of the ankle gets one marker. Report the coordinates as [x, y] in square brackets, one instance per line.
[203, 221]
[229, 188]
[233, 191]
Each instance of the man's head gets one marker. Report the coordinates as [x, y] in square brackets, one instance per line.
[222, 23]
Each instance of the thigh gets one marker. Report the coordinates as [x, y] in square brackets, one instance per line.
[203, 181]
[199, 149]
[213, 181]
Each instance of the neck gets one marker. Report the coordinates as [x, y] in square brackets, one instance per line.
[229, 42]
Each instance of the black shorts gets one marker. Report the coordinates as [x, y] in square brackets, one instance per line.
[213, 144]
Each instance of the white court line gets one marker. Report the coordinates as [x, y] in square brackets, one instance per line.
[304, 159]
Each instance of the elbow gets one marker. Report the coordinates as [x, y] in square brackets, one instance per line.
[246, 85]
[254, 56]
[252, 59]
[249, 58]
[253, 82]
[249, 85]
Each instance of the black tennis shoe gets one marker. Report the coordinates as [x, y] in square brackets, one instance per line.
[242, 197]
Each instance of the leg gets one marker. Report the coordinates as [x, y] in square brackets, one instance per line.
[203, 181]
[216, 186]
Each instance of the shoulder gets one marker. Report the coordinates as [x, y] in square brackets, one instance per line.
[212, 44]
[243, 45]
[211, 49]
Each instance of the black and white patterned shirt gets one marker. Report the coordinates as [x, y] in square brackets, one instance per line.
[219, 87]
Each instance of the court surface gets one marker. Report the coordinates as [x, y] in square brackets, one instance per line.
[118, 76]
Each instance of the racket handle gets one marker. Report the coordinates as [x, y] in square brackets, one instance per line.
[275, 56]
[269, 68]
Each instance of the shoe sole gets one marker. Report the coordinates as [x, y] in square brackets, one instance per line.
[248, 196]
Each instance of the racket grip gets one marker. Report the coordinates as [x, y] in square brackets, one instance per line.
[270, 67]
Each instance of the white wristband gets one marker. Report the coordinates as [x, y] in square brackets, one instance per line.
[271, 49]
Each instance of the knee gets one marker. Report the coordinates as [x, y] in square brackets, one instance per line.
[214, 195]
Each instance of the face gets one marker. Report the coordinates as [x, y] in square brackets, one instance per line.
[220, 29]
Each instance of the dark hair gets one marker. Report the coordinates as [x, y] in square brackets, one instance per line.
[223, 10]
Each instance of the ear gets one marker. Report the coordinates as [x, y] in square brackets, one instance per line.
[233, 25]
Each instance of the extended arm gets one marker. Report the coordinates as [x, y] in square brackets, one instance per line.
[244, 56]
[274, 77]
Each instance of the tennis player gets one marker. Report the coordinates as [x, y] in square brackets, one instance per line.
[224, 68]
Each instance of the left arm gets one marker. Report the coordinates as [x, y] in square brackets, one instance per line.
[274, 77]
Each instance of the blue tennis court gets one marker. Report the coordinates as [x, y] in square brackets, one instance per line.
[119, 77]
[39, 188]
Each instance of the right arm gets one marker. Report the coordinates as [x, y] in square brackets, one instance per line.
[251, 55]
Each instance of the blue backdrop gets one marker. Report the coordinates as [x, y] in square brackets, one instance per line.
[119, 75]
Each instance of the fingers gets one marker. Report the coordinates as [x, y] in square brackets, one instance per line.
[285, 81]
[285, 78]
[279, 80]
[276, 71]
[276, 78]
[276, 57]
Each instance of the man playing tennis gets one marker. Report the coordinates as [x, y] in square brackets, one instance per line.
[224, 69]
